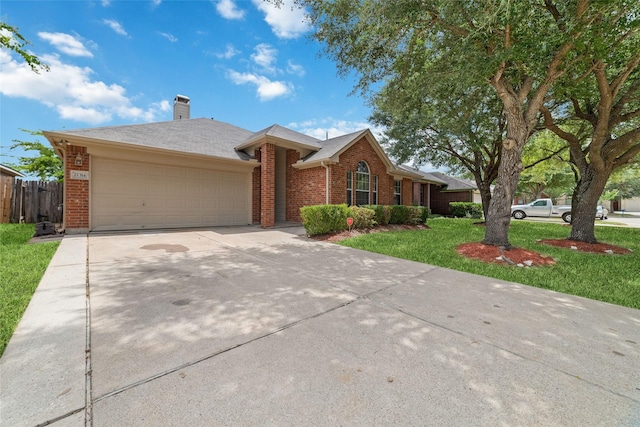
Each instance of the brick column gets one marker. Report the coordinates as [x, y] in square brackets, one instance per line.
[407, 192]
[76, 191]
[268, 185]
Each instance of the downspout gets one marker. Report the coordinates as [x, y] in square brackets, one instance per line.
[326, 185]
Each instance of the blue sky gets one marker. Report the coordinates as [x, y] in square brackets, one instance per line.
[115, 62]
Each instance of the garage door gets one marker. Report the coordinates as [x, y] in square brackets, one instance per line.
[131, 195]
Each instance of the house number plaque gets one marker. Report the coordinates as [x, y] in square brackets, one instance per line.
[84, 175]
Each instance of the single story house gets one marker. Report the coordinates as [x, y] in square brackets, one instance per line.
[202, 172]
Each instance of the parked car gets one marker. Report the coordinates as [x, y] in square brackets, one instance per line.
[545, 208]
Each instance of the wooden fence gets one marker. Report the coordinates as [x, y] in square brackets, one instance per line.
[36, 201]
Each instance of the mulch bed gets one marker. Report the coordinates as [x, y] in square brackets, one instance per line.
[346, 234]
[493, 254]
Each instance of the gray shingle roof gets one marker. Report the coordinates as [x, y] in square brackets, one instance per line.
[332, 146]
[196, 136]
[426, 175]
[454, 184]
[284, 133]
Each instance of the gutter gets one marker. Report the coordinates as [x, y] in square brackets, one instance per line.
[326, 185]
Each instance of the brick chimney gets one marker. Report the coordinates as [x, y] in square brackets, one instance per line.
[181, 107]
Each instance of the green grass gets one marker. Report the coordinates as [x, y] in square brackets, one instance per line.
[21, 268]
[611, 278]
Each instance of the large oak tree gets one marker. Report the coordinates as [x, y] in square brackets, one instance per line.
[522, 49]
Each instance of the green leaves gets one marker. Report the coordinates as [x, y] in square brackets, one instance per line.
[47, 166]
[11, 39]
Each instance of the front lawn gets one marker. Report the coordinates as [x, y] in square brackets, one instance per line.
[611, 278]
[21, 268]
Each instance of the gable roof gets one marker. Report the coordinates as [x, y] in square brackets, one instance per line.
[333, 146]
[281, 133]
[195, 136]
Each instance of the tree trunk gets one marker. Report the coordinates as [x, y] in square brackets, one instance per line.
[485, 194]
[499, 214]
[584, 203]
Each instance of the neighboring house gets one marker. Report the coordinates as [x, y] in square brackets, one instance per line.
[202, 172]
[440, 190]
[7, 176]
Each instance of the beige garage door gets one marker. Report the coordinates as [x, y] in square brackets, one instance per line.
[131, 195]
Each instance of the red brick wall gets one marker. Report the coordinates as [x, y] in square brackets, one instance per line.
[440, 200]
[267, 185]
[305, 187]
[361, 150]
[256, 178]
[76, 191]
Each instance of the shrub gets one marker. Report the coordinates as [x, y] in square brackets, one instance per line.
[321, 219]
[383, 213]
[363, 217]
[417, 215]
[465, 209]
[399, 214]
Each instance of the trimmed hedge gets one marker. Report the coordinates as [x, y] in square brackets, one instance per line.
[466, 209]
[322, 219]
[362, 217]
[383, 213]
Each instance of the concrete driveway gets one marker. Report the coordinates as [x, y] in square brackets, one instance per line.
[241, 326]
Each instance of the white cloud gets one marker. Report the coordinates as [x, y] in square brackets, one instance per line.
[287, 21]
[265, 57]
[266, 89]
[169, 37]
[229, 53]
[72, 91]
[318, 128]
[156, 3]
[106, 3]
[115, 26]
[229, 10]
[66, 43]
[293, 68]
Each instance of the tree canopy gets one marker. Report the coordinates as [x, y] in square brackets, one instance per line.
[46, 165]
[534, 54]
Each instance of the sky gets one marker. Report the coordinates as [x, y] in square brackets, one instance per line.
[113, 62]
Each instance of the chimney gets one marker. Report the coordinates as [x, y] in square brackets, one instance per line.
[181, 107]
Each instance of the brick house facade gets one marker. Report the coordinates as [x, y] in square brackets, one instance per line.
[200, 172]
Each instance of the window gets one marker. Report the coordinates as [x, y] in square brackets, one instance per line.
[422, 195]
[362, 184]
[397, 191]
[349, 187]
[374, 195]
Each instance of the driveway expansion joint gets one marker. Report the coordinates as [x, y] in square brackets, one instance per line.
[226, 350]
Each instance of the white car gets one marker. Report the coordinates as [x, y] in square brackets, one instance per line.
[602, 212]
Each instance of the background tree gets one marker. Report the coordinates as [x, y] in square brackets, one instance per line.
[464, 135]
[520, 48]
[47, 166]
[623, 184]
[11, 39]
[547, 171]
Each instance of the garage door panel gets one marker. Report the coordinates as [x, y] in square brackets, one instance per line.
[132, 195]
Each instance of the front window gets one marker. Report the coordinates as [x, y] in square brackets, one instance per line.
[397, 192]
[362, 184]
[349, 187]
[422, 195]
[374, 195]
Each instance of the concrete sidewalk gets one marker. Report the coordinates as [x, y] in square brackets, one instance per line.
[241, 326]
